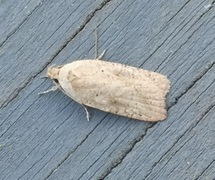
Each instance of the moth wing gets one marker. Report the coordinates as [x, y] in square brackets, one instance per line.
[116, 88]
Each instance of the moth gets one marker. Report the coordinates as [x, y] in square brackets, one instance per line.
[112, 87]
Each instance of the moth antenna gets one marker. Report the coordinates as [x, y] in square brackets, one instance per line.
[96, 43]
[96, 46]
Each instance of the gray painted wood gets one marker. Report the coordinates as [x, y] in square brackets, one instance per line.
[48, 137]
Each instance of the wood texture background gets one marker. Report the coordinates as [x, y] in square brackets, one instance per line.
[47, 137]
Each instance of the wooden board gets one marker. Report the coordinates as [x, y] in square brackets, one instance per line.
[48, 137]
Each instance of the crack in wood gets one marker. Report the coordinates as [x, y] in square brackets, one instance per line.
[89, 17]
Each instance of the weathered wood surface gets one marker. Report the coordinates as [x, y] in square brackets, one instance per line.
[48, 137]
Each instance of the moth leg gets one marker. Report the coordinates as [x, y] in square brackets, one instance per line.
[88, 114]
[43, 77]
[54, 88]
[96, 47]
[101, 55]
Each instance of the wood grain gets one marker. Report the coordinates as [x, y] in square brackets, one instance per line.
[48, 137]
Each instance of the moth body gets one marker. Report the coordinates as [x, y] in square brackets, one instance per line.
[114, 87]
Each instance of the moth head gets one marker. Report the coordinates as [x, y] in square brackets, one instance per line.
[53, 73]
